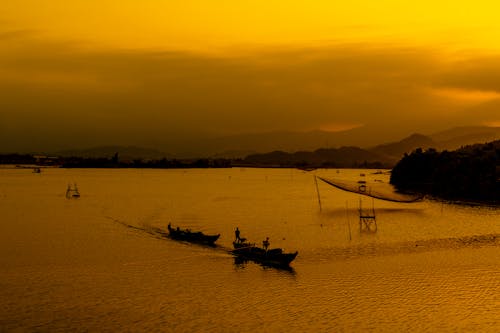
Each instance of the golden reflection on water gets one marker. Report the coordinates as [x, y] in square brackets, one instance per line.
[99, 263]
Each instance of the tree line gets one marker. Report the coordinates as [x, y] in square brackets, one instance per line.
[113, 162]
[471, 173]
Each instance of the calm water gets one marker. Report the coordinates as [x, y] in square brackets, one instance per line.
[97, 264]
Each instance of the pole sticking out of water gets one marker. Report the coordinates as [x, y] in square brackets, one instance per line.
[317, 191]
[348, 222]
[373, 207]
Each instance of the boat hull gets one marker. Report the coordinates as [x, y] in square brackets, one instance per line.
[193, 237]
[273, 257]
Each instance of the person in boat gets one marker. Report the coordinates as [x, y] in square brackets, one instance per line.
[237, 235]
[265, 243]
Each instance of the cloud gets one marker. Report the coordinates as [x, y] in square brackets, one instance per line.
[58, 95]
[480, 73]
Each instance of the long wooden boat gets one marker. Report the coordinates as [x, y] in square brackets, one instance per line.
[190, 236]
[272, 257]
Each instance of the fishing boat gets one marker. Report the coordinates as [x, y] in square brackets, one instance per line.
[272, 257]
[37, 170]
[190, 236]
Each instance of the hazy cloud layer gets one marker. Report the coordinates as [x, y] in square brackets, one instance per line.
[61, 95]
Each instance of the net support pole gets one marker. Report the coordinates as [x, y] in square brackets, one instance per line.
[348, 222]
[317, 191]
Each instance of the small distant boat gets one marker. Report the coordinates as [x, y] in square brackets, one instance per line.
[362, 186]
[37, 170]
[72, 192]
[190, 236]
[272, 257]
[306, 168]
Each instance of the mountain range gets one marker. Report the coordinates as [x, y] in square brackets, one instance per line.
[354, 143]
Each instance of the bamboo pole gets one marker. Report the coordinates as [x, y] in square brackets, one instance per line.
[348, 222]
[317, 191]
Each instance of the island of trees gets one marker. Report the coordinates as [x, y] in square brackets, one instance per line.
[471, 173]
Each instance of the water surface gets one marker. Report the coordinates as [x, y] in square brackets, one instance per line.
[98, 263]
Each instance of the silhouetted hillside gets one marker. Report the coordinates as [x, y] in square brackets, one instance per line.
[450, 139]
[239, 146]
[457, 137]
[341, 157]
[242, 145]
[396, 150]
[366, 138]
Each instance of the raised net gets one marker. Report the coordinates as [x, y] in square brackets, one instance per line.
[381, 191]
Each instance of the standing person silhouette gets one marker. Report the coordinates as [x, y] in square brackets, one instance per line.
[265, 243]
[237, 235]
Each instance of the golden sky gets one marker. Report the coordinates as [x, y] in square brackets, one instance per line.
[202, 24]
[135, 72]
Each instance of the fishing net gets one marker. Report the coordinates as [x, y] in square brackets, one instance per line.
[376, 190]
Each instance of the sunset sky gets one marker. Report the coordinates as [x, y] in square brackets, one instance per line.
[83, 73]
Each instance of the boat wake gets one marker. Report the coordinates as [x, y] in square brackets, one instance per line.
[159, 233]
[154, 231]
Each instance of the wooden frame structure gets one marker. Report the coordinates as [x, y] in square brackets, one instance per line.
[367, 219]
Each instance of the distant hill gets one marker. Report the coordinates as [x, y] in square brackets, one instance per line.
[446, 140]
[240, 146]
[245, 144]
[387, 154]
[455, 132]
[462, 136]
[332, 157]
[396, 150]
